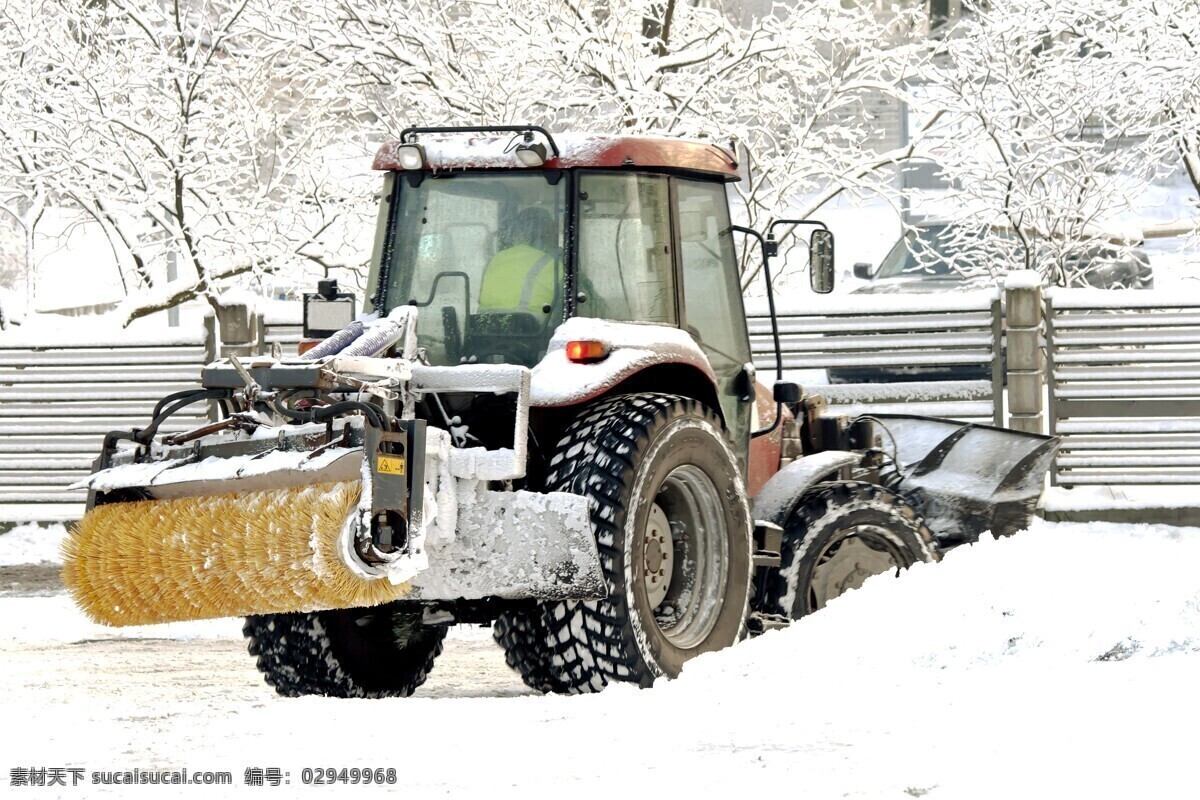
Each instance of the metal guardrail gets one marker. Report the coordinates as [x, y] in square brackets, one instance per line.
[59, 397]
[1124, 387]
[1123, 383]
[937, 355]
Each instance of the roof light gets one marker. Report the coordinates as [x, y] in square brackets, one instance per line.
[411, 156]
[531, 153]
[586, 351]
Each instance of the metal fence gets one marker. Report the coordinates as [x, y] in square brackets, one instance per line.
[933, 355]
[59, 397]
[57, 400]
[1123, 384]
[283, 328]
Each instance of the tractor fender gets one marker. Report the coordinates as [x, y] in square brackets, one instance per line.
[782, 493]
[632, 348]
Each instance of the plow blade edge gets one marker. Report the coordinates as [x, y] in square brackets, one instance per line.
[966, 478]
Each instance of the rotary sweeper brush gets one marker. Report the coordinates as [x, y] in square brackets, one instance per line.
[311, 493]
[546, 419]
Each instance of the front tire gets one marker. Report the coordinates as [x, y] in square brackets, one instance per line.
[840, 534]
[673, 527]
[359, 652]
[544, 663]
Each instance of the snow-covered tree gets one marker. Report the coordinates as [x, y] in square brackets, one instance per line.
[1156, 44]
[25, 172]
[1045, 137]
[231, 138]
[793, 85]
[192, 141]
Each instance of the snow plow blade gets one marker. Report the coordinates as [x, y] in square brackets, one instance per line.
[965, 478]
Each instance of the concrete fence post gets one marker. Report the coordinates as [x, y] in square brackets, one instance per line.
[240, 330]
[1026, 367]
[260, 334]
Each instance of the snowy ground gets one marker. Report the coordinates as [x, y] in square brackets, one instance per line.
[1059, 663]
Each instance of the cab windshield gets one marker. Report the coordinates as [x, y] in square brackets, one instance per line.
[481, 256]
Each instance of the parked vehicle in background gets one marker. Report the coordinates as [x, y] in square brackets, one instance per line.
[936, 256]
[942, 256]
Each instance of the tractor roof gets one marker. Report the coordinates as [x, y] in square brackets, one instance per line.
[471, 152]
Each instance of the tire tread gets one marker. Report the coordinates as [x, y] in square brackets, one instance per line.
[296, 657]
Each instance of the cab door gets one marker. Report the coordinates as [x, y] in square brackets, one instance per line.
[712, 308]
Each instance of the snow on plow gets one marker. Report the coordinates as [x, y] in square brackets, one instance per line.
[966, 478]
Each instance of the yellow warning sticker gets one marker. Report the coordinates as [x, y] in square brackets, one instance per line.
[389, 465]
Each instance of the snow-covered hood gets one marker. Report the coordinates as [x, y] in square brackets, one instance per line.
[632, 347]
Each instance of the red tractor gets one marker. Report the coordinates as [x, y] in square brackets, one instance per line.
[547, 419]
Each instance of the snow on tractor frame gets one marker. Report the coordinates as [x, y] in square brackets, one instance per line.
[546, 420]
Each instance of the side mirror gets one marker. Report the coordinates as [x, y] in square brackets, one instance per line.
[327, 311]
[820, 261]
[863, 270]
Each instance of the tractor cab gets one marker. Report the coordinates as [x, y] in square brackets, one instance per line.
[497, 236]
[496, 253]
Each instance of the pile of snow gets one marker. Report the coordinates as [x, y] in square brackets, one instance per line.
[31, 544]
[1111, 497]
[1059, 594]
[1058, 663]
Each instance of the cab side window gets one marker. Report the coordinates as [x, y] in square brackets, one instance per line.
[712, 296]
[625, 268]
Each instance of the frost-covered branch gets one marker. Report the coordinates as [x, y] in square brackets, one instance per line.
[1043, 141]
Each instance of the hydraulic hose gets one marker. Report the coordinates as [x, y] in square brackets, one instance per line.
[375, 417]
[171, 398]
[144, 435]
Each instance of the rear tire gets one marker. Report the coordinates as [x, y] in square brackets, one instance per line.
[842, 533]
[359, 652]
[673, 528]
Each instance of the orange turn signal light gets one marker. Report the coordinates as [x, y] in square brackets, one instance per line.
[306, 345]
[586, 351]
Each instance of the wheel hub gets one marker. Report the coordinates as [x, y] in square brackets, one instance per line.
[847, 563]
[685, 557]
[658, 563]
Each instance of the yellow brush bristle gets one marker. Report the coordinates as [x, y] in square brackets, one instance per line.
[223, 555]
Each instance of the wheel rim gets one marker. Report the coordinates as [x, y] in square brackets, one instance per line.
[685, 588]
[848, 560]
